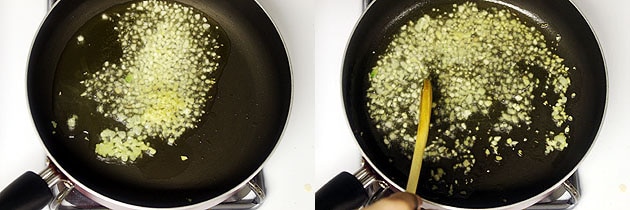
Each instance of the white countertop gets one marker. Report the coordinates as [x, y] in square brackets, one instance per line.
[289, 170]
[317, 134]
[605, 173]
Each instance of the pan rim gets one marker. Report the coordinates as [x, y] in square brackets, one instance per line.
[116, 204]
[432, 204]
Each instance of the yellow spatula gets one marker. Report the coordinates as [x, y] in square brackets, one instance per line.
[421, 137]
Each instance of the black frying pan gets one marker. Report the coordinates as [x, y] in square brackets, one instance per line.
[239, 130]
[516, 182]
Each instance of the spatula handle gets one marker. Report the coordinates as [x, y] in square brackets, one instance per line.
[421, 137]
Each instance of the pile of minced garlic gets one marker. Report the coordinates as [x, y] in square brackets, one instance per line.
[159, 87]
[479, 61]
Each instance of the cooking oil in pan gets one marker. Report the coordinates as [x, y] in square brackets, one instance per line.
[501, 92]
[137, 77]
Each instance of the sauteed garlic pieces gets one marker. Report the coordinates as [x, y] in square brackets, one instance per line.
[159, 87]
[491, 71]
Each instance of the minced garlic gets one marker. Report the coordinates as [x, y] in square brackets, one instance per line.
[122, 146]
[72, 122]
[160, 85]
[481, 62]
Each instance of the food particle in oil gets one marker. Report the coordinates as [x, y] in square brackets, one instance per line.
[72, 122]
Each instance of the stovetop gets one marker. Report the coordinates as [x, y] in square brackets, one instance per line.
[251, 196]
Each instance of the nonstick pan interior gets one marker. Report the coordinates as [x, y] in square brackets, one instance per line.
[514, 179]
[241, 127]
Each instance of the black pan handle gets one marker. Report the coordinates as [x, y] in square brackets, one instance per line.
[28, 191]
[343, 192]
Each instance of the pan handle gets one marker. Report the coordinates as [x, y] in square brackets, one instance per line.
[344, 191]
[29, 191]
[348, 191]
[33, 191]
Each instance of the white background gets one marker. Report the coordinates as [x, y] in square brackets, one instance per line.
[605, 171]
[316, 32]
[288, 172]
